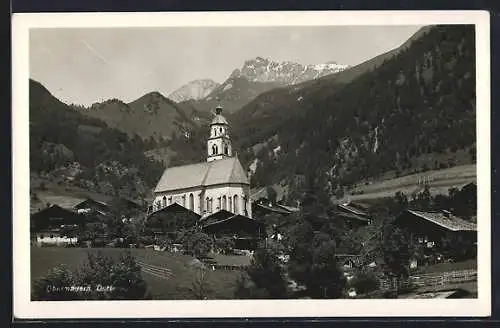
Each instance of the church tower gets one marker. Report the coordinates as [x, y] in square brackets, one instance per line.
[219, 142]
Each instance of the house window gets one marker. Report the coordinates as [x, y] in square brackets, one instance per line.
[191, 202]
[51, 236]
[41, 236]
[235, 204]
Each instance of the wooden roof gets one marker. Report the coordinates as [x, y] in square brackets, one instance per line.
[442, 219]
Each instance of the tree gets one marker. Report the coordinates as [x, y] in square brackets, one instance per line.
[246, 288]
[326, 278]
[126, 279]
[396, 252]
[266, 275]
[225, 244]
[198, 243]
[55, 285]
[271, 194]
[200, 286]
[365, 282]
[313, 262]
[100, 278]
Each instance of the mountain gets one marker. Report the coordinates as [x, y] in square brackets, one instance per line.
[284, 73]
[262, 115]
[197, 89]
[94, 155]
[257, 76]
[383, 116]
[152, 115]
[233, 94]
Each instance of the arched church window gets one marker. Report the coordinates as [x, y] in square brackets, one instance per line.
[164, 201]
[214, 149]
[230, 199]
[208, 204]
[184, 200]
[245, 202]
[191, 202]
[220, 130]
[224, 202]
[220, 203]
[235, 204]
[226, 150]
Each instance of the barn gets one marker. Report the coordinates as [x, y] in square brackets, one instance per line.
[433, 229]
[246, 231]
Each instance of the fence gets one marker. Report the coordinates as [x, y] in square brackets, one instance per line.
[156, 271]
[432, 279]
[444, 278]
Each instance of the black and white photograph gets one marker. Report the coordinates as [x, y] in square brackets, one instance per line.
[285, 161]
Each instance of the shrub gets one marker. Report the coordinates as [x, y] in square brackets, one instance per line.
[365, 282]
[100, 278]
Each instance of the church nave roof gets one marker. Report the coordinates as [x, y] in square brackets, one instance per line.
[202, 174]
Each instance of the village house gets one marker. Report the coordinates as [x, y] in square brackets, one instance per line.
[245, 231]
[56, 226]
[430, 229]
[354, 215]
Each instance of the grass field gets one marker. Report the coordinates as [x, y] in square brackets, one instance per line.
[176, 287]
[439, 182]
[446, 267]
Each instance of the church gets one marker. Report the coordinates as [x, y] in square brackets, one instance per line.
[205, 188]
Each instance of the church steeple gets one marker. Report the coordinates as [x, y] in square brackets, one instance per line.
[219, 142]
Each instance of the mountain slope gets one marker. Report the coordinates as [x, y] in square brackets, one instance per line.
[418, 102]
[100, 158]
[194, 90]
[150, 115]
[260, 117]
[234, 93]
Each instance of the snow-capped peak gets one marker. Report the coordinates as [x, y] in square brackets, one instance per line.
[262, 69]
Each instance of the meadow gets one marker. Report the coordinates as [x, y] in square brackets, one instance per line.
[439, 181]
[174, 287]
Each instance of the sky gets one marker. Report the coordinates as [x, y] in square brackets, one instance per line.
[87, 65]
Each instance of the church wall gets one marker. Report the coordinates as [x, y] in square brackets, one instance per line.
[213, 193]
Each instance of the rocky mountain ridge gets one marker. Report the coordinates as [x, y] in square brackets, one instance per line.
[195, 90]
[284, 73]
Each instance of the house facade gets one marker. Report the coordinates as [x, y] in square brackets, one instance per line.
[220, 183]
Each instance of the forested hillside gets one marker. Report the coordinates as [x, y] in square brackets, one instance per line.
[421, 101]
[151, 115]
[93, 155]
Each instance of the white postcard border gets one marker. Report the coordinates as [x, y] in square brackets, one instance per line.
[26, 309]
